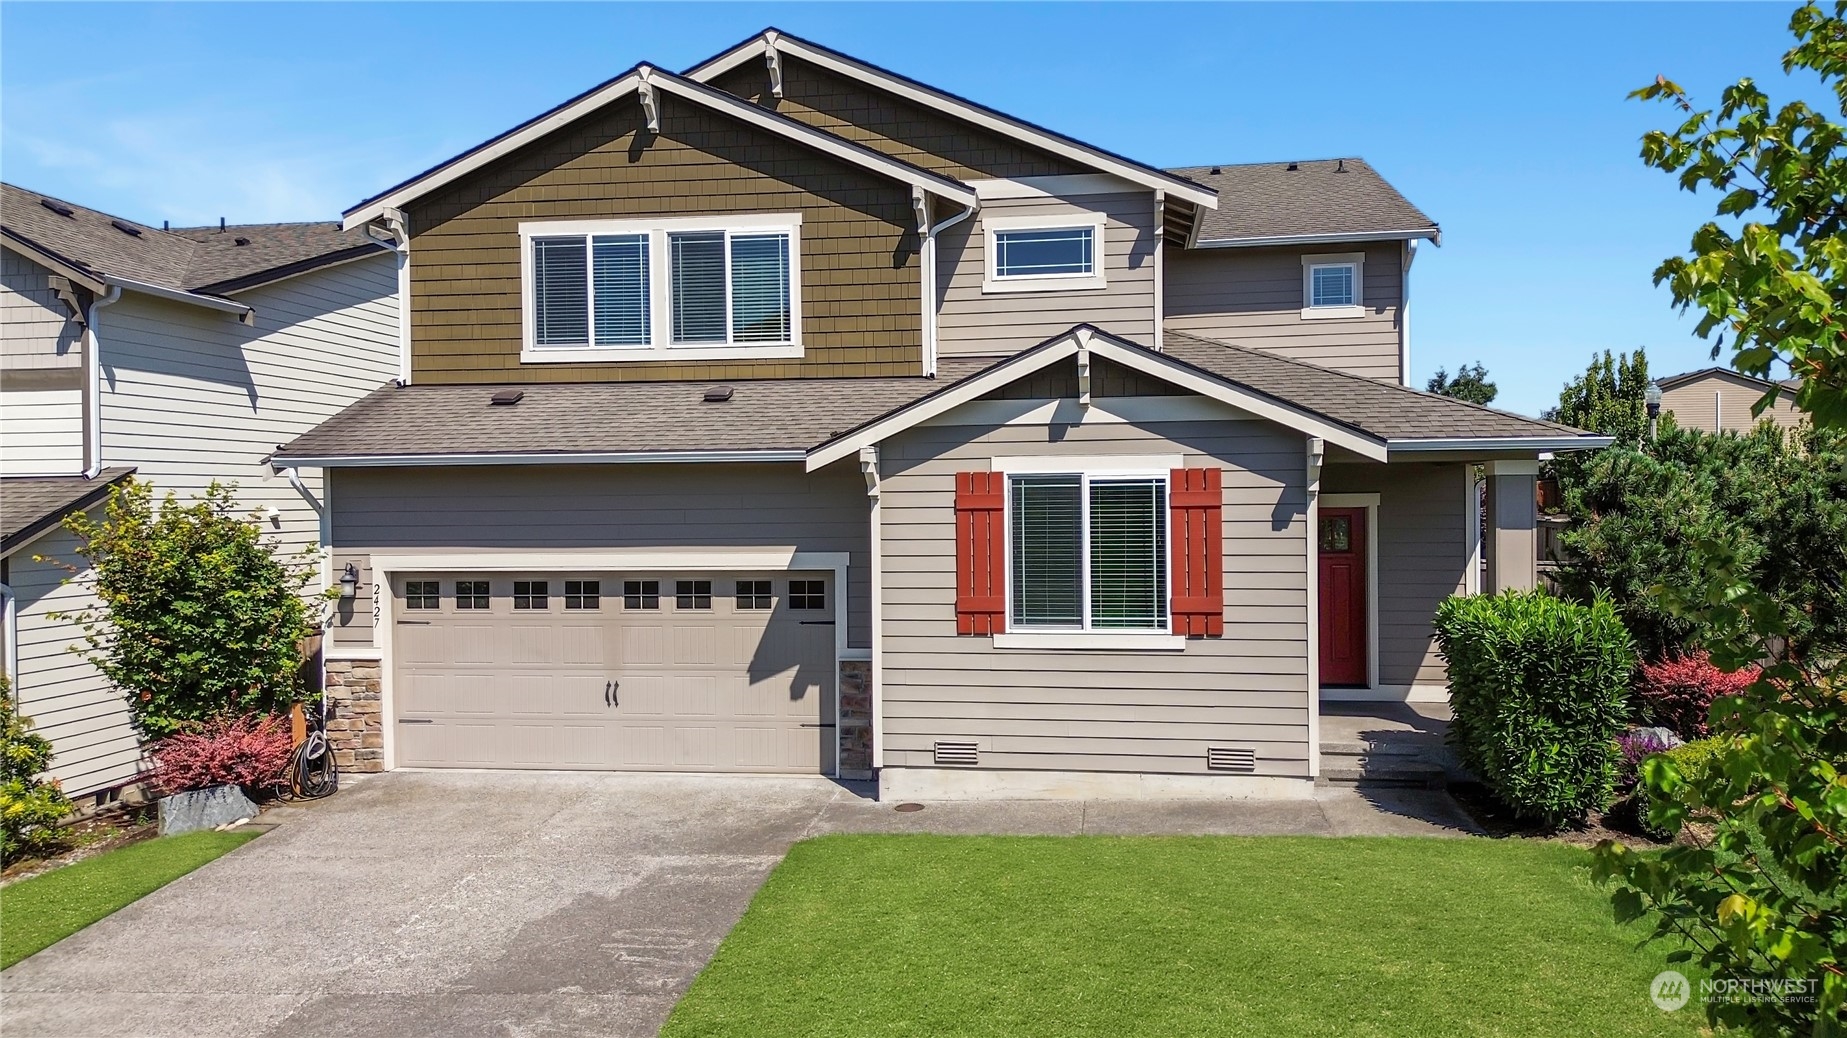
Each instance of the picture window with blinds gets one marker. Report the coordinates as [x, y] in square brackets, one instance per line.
[641, 594]
[695, 288]
[422, 594]
[754, 594]
[1087, 553]
[583, 594]
[807, 594]
[471, 594]
[692, 594]
[531, 594]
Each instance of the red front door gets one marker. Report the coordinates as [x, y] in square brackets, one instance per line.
[1343, 596]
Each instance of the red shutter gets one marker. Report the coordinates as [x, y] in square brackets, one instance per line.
[980, 534]
[1195, 499]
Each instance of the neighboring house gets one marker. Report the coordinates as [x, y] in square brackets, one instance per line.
[1720, 399]
[789, 415]
[182, 356]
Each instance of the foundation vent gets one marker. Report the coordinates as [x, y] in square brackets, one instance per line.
[959, 754]
[1231, 758]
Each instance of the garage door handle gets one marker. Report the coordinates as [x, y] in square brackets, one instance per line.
[612, 693]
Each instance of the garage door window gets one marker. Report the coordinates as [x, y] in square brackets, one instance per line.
[641, 594]
[753, 594]
[471, 594]
[583, 594]
[693, 594]
[807, 594]
[531, 594]
[422, 594]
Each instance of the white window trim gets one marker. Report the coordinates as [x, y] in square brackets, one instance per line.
[1086, 636]
[991, 281]
[660, 290]
[1356, 260]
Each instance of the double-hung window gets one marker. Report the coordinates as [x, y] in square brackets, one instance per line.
[1333, 285]
[1087, 552]
[662, 289]
[1042, 254]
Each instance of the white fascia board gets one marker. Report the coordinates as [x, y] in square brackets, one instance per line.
[708, 97]
[1063, 147]
[1501, 443]
[229, 306]
[1330, 238]
[604, 458]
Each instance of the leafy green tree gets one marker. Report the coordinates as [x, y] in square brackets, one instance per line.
[1470, 383]
[1611, 397]
[199, 617]
[1772, 280]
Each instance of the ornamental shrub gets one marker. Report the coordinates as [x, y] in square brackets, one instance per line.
[1678, 692]
[1696, 759]
[249, 751]
[30, 807]
[1635, 746]
[1539, 688]
[199, 615]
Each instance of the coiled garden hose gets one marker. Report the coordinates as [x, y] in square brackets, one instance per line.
[312, 771]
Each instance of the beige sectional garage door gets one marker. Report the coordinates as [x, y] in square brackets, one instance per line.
[570, 680]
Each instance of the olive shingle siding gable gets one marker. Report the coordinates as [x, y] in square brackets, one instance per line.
[866, 115]
[861, 289]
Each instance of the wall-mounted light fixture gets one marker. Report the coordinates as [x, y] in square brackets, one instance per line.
[349, 581]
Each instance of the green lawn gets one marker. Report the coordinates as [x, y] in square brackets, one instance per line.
[39, 912]
[862, 936]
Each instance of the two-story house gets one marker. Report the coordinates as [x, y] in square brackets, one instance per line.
[791, 415]
[183, 357]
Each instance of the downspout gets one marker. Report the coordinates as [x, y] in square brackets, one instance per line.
[927, 259]
[92, 389]
[396, 237]
[12, 640]
[1408, 254]
[869, 468]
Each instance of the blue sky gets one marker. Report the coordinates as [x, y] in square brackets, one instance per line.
[1507, 123]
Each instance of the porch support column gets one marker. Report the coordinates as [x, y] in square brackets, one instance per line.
[1513, 526]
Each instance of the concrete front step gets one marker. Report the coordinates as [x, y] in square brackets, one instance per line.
[1336, 773]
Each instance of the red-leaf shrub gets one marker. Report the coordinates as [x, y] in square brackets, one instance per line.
[1678, 692]
[250, 751]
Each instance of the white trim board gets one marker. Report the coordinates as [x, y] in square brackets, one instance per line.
[610, 458]
[1068, 185]
[656, 79]
[758, 46]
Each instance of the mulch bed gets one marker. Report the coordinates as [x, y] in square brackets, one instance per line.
[1497, 821]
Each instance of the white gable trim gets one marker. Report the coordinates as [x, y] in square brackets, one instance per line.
[1064, 147]
[623, 86]
[1098, 344]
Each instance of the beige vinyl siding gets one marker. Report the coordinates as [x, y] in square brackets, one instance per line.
[974, 322]
[41, 374]
[1253, 297]
[1103, 710]
[1717, 402]
[1422, 536]
[41, 432]
[66, 698]
[37, 328]
[459, 510]
[192, 395]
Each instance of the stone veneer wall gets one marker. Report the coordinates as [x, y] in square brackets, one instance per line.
[355, 717]
[855, 719]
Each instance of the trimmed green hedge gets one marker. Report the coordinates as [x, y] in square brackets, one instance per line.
[1539, 688]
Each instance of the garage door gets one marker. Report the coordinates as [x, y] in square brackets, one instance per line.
[615, 671]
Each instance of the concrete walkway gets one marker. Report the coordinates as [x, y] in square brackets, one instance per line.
[515, 904]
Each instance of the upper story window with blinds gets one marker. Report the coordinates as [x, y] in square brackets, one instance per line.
[1333, 285]
[1044, 253]
[718, 288]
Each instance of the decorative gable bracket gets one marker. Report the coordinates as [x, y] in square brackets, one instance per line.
[650, 98]
[773, 58]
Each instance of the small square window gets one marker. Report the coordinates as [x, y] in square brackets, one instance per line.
[471, 594]
[641, 594]
[583, 594]
[531, 594]
[1331, 285]
[753, 594]
[807, 594]
[692, 594]
[422, 594]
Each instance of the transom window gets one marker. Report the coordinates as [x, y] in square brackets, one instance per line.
[1333, 285]
[1027, 254]
[1087, 553]
[422, 594]
[754, 594]
[692, 594]
[714, 288]
[807, 594]
[583, 594]
[531, 594]
[641, 594]
[471, 594]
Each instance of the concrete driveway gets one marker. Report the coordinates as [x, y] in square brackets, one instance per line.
[515, 904]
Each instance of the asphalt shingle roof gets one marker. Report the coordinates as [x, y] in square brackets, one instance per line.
[1318, 197]
[187, 259]
[30, 505]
